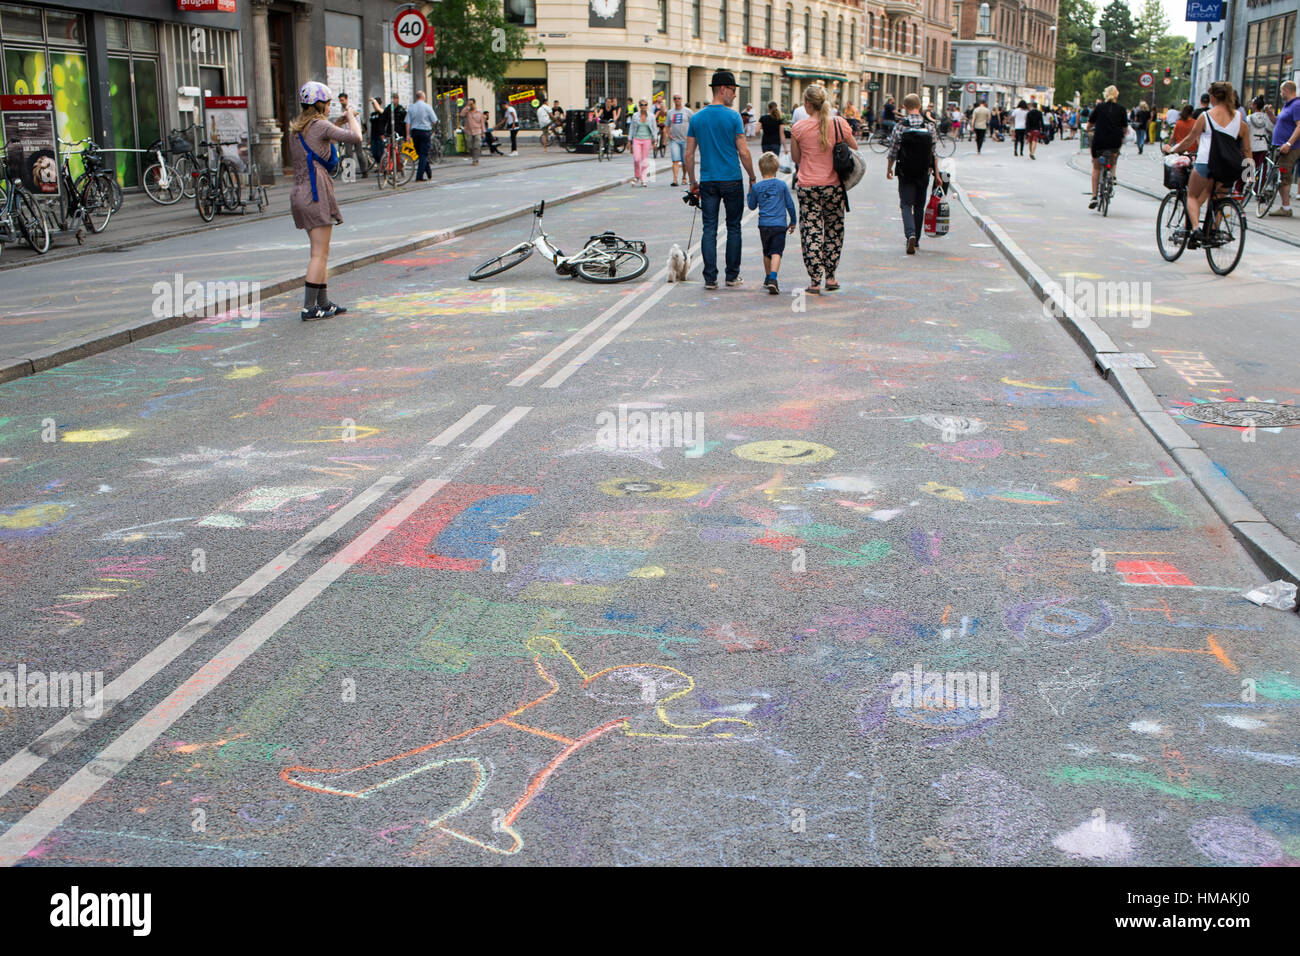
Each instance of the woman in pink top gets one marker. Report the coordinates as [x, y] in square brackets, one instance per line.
[311, 201]
[821, 197]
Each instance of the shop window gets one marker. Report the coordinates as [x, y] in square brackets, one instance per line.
[115, 33]
[521, 12]
[16, 22]
[65, 28]
[144, 37]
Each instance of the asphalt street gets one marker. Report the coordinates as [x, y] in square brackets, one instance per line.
[1211, 338]
[396, 588]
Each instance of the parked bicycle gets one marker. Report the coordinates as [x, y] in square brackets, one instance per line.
[20, 215]
[1222, 234]
[394, 168]
[162, 181]
[216, 185]
[82, 203]
[605, 258]
[180, 150]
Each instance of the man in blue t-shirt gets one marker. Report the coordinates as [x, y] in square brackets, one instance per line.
[719, 136]
[1286, 133]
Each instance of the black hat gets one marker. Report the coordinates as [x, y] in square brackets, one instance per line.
[723, 78]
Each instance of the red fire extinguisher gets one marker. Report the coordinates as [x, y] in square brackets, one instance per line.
[936, 210]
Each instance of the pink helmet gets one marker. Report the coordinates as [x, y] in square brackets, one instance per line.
[314, 92]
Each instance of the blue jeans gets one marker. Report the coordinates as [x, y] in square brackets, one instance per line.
[1142, 137]
[912, 198]
[713, 194]
[422, 138]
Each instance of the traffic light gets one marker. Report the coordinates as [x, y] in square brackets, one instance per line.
[1169, 74]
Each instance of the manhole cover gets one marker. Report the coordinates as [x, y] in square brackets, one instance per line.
[1259, 414]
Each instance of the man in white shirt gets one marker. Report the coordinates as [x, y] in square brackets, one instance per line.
[1019, 115]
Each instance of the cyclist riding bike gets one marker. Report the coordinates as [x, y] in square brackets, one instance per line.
[1107, 123]
[1213, 136]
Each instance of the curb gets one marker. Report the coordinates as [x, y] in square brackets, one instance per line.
[1273, 552]
[34, 362]
[76, 252]
[1254, 221]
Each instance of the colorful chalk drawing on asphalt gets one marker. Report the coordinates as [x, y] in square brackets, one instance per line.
[500, 757]
[33, 519]
[281, 508]
[456, 530]
[464, 301]
[784, 452]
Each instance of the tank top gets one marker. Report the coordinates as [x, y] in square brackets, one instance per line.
[1233, 129]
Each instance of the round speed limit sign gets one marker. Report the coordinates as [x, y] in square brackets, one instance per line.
[1145, 80]
[410, 27]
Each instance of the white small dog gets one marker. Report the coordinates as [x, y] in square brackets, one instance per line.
[678, 264]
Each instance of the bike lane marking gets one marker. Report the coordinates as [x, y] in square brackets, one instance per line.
[31, 757]
[37, 824]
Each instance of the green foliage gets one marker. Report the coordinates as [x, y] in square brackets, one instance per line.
[1146, 43]
[474, 39]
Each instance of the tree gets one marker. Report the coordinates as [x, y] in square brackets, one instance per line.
[474, 39]
[1074, 24]
[1152, 26]
[1094, 81]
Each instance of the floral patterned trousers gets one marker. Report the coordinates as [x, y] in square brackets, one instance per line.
[821, 229]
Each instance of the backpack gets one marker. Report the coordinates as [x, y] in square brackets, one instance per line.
[1225, 158]
[915, 153]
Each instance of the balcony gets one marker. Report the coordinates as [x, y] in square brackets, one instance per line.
[902, 8]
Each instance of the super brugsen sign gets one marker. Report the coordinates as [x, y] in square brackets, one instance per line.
[31, 149]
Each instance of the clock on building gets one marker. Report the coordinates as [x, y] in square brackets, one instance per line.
[606, 13]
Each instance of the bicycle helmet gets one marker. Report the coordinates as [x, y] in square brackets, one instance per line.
[313, 92]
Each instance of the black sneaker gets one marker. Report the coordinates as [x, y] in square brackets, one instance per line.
[911, 245]
[311, 315]
[772, 287]
[1092, 203]
[711, 285]
[336, 308]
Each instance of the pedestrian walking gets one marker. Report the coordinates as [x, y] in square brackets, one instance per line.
[979, 121]
[511, 121]
[311, 201]
[352, 151]
[776, 216]
[773, 128]
[1141, 120]
[821, 194]
[679, 119]
[420, 119]
[643, 141]
[1033, 127]
[1261, 130]
[911, 160]
[1107, 123]
[475, 125]
[1286, 132]
[716, 133]
[1020, 116]
[1183, 124]
[747, 118]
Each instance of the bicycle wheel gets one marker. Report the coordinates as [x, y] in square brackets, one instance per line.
[31, 223]
[155, 190]
[620, 265]
[184, 166]
[945, 146]
[570, 146]
[879, 143]
[1266, 194]
[96, 204]
[204, 201]
[507, 260]
[1228, 240]
[1171, 226]
[405, 172]
[228, 185]
[114, 188]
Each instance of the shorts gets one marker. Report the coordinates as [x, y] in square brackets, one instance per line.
[677, 150]
[1034, 135]
[1202, 169]
[1097, 156]
[773, 238]
[1286, 161]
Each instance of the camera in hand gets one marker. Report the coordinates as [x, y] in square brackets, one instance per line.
[691, 199]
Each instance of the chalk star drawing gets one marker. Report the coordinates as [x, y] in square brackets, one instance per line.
[636, 694]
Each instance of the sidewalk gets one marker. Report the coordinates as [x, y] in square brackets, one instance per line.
[142, 220]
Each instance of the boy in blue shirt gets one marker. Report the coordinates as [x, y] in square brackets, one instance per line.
[771, 197]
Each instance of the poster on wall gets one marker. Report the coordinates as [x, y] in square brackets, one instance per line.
[31, 150]
[607, 13]
[225, 119]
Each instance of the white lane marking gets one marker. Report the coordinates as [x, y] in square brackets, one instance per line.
[528, 374]
[22, 764]
[507, 422]
[36, 825]
[17, 768]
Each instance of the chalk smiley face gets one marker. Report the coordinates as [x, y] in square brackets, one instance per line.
[644, 488]
[784, 452]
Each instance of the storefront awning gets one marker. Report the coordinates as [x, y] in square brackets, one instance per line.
[813, 74]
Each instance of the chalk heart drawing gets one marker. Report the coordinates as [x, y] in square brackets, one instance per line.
[645, 488]
[459, 301]
[784, 452]
[1100, 840]
[992, 820]
[1234, 841]
[87, 435]
[505, 762]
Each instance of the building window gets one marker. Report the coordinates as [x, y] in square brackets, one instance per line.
[871, 31]
[695, 17]
[744, 23]
[767, 28]
[982, 63]
[839, 39]
[826, 28]
[1270, 60]
[916, 41]
[789, 28]
[986, 20]
[663, 16]
[722, 22]
[807, 30]
[521, 12]
[606, 78]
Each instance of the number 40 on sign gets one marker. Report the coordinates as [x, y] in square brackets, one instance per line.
[409, 27]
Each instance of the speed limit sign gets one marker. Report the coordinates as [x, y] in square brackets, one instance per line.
[970, 87]
[1145, 80]
[410, 27]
